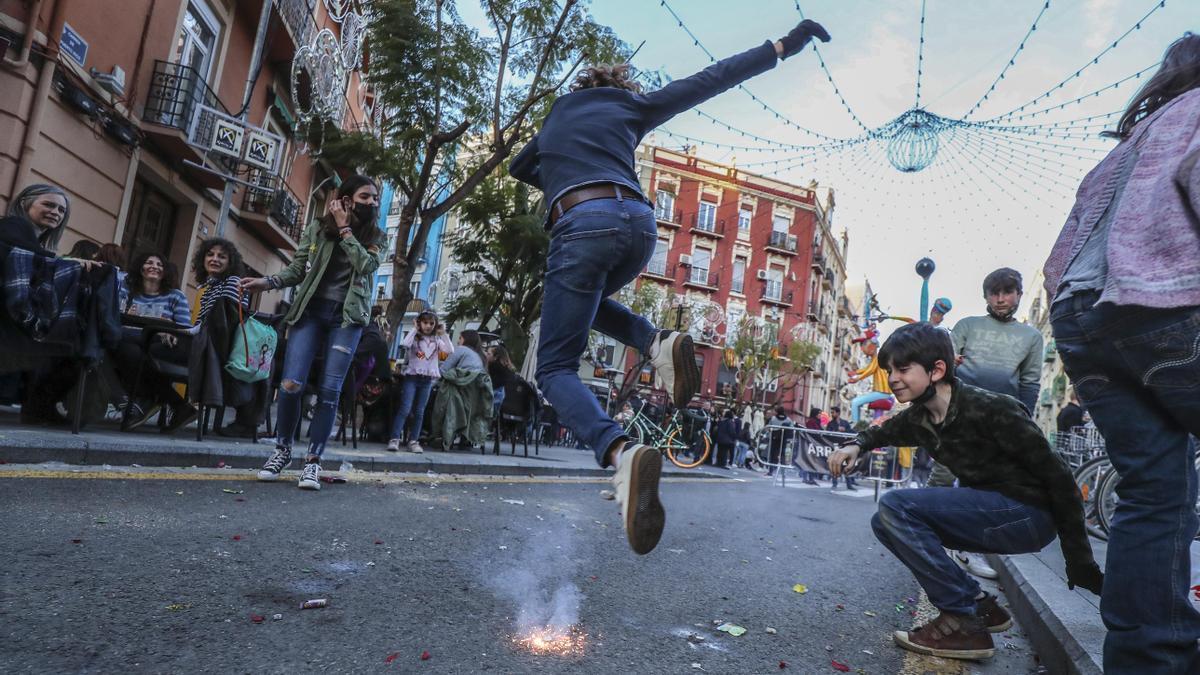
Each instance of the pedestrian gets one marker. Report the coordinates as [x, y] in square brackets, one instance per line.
[726, 438]
[584, 154]
[1071, 415]
[780, 429]
[333, 266]
[742, 447]
[424, 346]
[1000, 354]
[1015, 495]
[1124, 276]
[840, 425]
[804, 440]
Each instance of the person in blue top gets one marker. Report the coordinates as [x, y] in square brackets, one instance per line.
[602, 235]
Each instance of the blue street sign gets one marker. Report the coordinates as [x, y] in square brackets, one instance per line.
[73, 45]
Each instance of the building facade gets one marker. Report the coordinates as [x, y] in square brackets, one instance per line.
[113, 106]
[1055, 386]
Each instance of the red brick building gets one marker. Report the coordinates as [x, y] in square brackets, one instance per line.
[732, 244]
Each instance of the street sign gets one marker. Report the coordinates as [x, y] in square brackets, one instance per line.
[73, 45]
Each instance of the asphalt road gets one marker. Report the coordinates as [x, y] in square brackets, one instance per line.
[111, 571]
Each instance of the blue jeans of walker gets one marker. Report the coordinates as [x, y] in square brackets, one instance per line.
[414, 397]
[596, 249]
[915, 525]
[1137, 371]
[318, 330]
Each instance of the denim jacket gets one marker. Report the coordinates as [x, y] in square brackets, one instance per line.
[308, 266]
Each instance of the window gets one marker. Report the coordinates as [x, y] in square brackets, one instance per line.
[664, 206]
[781, 224]
[701, 261]
[733, 318]
[707, 218]
[739, 274]
[744, 216]
[197, 42]
[658, 262]
[774, 289]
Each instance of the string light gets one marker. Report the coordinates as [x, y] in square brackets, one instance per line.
[1011, 61]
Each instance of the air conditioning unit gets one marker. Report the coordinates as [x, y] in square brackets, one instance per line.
[762, 275]
[685, 260]
[114, 82]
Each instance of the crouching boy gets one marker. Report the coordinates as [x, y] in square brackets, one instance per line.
[1015, 496]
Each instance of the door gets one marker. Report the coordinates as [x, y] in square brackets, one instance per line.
[195, 48]
[152, 222]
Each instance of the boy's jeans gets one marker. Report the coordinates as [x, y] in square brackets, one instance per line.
[915, 525]
[596, 249]
[1137, 371]
[319, 328]
[414, 397]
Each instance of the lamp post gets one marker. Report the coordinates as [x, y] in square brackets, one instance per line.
[925, 268]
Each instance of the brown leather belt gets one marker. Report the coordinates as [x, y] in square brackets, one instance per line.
[588, 193]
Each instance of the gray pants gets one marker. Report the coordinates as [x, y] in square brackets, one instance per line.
[940, 476]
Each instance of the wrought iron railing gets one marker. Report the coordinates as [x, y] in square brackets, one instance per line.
[175, 92]
[274, 198]
[783, 241]
[298, 15]
[714, 227]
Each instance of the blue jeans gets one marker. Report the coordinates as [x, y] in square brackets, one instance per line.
[1137, 371]
[414, 397]
[739, 453]
[318, 329]
[596, 249]
[915, 525]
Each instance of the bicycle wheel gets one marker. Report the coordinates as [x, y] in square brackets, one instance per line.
[636, 433]
[1107, 500]
[674, 446]
[1087, 479]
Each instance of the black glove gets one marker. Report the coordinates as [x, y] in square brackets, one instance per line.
[800, 36]
[1087, 575]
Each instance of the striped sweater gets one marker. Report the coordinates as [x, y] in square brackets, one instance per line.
[212, 290]
[169, 306]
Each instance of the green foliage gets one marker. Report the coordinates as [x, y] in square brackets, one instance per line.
[761, 355]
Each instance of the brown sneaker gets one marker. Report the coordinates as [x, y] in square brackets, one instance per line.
[950, 636]
[636, 486]
[994, 617]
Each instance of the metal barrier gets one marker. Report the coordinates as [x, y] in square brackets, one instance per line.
[802, 449]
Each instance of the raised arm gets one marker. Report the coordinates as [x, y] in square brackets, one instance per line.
[524, 167]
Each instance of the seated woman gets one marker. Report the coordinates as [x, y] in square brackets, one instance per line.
[154, 293]
[501, 370]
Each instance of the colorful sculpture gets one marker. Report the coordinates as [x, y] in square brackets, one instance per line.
[880, 396]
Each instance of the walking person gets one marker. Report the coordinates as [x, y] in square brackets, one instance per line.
[813, 422]
[334, 261]
[779, 429]
[602, 236]
[1124, 276]
[727, 434]
[742, 447]
[424, 345]
[839, 424]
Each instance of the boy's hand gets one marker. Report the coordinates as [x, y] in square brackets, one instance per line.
[843, 458]
[799, 37]
[1087, 576]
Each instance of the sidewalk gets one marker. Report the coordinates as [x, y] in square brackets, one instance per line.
[104, 445]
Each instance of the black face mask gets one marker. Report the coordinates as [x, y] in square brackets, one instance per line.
[365, 214]
[1005, 317]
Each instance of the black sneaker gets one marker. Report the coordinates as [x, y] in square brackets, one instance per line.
[276, 464]
[182, 414]
[310, 478]
[140, 413]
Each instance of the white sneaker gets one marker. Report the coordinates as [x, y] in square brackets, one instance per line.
[415, 447]
[636, 486]
[393, 445]
[310, 478]
[973, 564]
[674, 363]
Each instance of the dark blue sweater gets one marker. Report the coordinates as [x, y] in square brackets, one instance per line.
[590, 135]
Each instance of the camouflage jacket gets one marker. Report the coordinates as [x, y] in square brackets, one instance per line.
[990, 443]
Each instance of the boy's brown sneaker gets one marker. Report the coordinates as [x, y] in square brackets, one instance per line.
[950, 636]
[994, 617]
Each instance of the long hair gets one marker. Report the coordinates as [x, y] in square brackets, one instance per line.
[111, 254]
[366, 233]
[500, 355]
[618, 76]
[1179, 73]
[137, 283]
[84, 249]
[20, 205]
[470, 340]
[235, 259]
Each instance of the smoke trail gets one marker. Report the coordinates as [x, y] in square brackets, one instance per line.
[538, 584]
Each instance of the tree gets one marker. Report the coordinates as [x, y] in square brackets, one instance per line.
[502, 251]
[761, 359]
[457, 103]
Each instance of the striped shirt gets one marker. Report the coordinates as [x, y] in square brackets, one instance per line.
[169, 306]
[211, 291]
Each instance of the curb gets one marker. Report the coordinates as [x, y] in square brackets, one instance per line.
[250, 456]
[1058, 650]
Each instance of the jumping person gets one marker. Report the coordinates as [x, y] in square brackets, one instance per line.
[1014, 497]
[334, 261]
[602, 235]
[424, 344]
[1124, 276]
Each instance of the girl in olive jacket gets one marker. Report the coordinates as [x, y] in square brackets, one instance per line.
[333, 265]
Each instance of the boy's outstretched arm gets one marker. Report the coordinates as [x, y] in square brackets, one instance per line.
[686, 93]
[899, 430]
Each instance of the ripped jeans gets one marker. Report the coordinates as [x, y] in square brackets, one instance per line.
[319, 329]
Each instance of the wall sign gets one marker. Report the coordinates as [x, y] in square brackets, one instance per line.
[73, 45]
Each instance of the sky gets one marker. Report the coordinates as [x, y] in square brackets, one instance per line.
[985, 201]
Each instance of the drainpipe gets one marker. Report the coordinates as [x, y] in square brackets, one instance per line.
[33, 126]
[27, 40]
[260, 38]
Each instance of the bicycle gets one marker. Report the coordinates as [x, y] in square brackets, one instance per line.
[1107, 498]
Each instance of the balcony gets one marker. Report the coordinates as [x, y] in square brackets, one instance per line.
[814, 311]
[773, 295]
[274, 211]
[666, 218]
[714, 229]
[298, 21]
[827, 279]
[782, 242]
[698, 277]
[818, 262]
[663, 272]
[176, 92]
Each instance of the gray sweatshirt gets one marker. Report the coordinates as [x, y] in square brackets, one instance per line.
[1004, 357]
